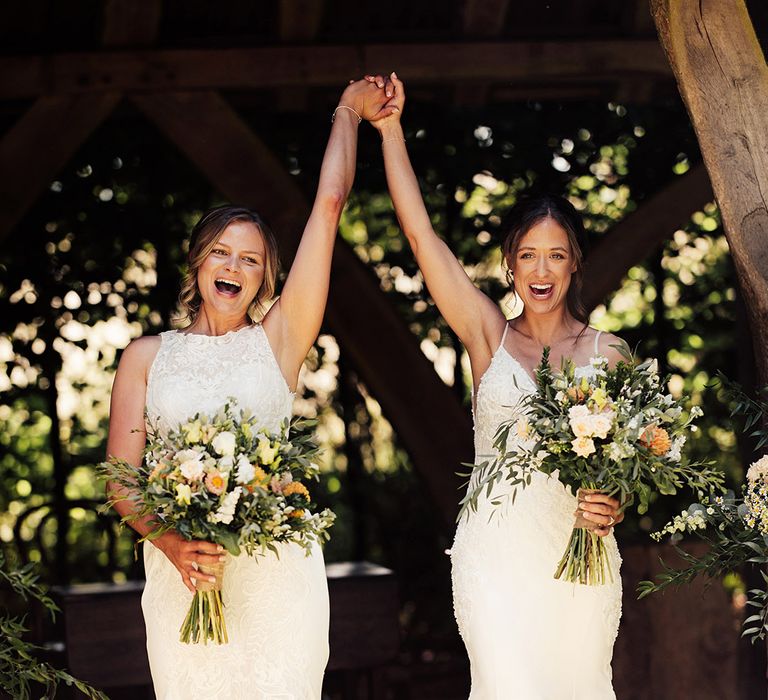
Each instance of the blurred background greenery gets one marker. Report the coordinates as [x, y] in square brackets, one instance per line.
[97, 262]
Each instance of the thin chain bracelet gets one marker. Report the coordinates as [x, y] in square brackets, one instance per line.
[394, 138]
[333, 116]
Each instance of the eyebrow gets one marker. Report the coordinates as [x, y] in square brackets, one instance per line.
[245, 252]
[565, 250]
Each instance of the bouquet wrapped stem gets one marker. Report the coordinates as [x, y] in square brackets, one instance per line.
[585, 559]
[205, 618]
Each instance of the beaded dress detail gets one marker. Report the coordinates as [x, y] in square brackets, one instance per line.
[528, 635]
[276, 609]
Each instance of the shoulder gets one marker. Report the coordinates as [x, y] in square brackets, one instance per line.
[139, 354]
[610, 346]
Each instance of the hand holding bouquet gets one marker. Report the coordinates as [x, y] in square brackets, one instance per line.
[224, 480]
[610, 430]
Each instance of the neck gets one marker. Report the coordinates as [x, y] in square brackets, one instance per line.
[210, 324]
[547, 329]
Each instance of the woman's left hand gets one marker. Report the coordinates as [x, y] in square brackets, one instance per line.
[601, 510]
[368, 99]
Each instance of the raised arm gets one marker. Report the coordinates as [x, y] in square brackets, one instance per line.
[475, 319]
[293, 322]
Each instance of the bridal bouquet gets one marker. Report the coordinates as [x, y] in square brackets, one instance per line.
[223, 479]
[615, 431]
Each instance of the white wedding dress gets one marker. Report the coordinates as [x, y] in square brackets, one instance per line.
[528, 635]
[276, 609]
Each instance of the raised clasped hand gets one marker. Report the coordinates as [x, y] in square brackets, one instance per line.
[393, 90]
[367, 99]
[600, 510]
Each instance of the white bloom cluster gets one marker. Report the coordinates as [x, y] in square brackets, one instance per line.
[675, 452]
[688, 521]
[226, 510]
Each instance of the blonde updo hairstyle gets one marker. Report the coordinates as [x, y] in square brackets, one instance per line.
[203, 240]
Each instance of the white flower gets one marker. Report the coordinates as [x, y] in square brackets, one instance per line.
[190, 464]
[226, 510]
[580, 420]
[600, 424]
[583, 446]
[674, 454]
[224, 443]
[226, 463]
[245, 471]
[560, 397]
[758, 471]
[523, 428]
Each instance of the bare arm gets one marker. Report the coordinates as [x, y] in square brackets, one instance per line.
[126, 441]
[293, 323]
[475, 319]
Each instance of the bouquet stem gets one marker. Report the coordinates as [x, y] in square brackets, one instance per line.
[205, 618]
[585, 559]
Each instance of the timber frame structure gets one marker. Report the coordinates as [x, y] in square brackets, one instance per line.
[186, 67]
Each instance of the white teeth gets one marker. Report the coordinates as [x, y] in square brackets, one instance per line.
[542, 287]
[232, 282]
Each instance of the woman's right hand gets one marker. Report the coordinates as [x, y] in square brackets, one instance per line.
[394, 90]
[186, 555]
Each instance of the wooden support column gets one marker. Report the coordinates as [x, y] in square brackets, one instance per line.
[723, 79]
[632, 240]
[38, 146]
[428, 418]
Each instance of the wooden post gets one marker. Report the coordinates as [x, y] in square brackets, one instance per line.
[723, 79]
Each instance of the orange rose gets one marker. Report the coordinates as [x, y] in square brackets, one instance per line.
[656, 439]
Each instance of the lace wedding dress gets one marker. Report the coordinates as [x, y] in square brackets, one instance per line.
[528, 635]
[276, 609]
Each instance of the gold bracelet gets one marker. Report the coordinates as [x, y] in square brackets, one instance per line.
[333, 116]
[394, 138]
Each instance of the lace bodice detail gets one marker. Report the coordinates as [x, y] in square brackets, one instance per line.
[199, 373]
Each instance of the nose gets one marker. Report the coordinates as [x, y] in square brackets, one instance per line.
[233, 263]
[542, 265]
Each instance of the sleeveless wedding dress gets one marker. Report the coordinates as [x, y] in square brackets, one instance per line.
[276, 609]
[528, 635]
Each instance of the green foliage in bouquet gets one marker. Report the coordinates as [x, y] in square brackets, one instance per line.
[225, 480]
[20, 669]
[734, 527]
[609, 430]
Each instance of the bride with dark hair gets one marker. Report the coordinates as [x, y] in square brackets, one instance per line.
[528, 635]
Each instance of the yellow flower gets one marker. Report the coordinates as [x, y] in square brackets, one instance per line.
[216, 483]
[298, 513]
[183, 494]
[192, 432]
[260, 476]
[296, 487]
[600, 397]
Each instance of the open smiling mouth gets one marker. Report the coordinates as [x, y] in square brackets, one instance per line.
[228, 288]
[541, 291]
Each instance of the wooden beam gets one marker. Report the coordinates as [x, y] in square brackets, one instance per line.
[723, 79]
[38, 146]
[428, 418]
[632, 240]
[131, 24]
[481, 18]
[247, 68]
[300, 19]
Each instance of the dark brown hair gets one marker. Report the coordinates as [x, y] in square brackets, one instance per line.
[203, 239]
[528, 212]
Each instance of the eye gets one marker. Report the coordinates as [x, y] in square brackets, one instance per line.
[252, 261]
[219, 251]
[558, 256]
[526, 256]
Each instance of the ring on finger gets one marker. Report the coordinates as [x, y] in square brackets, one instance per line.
[611, 521]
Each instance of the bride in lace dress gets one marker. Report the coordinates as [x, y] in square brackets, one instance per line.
[276, 607]
[528, 636]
